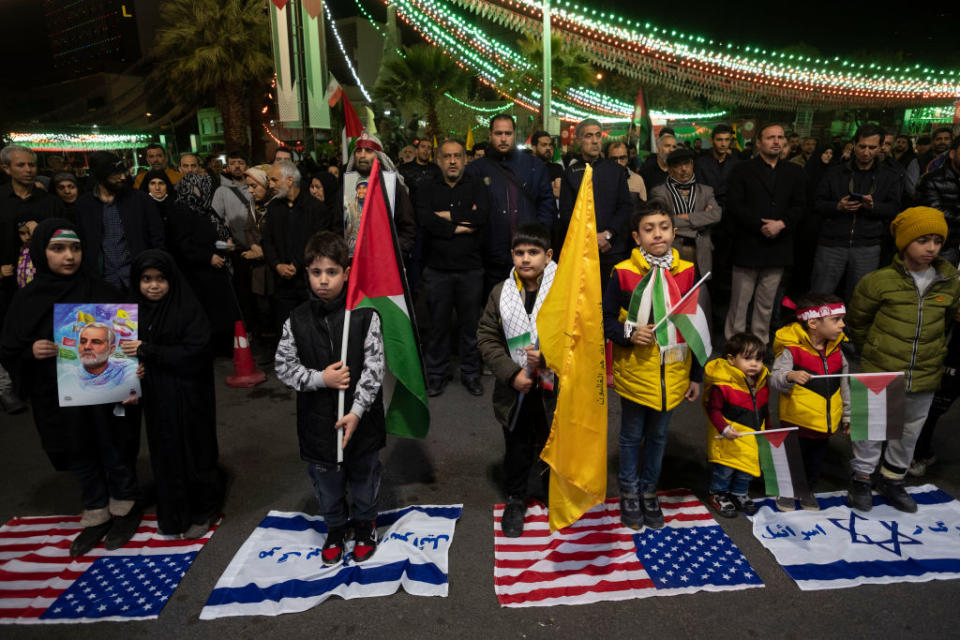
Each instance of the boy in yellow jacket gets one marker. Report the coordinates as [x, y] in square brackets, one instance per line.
[735, 398]
[819, 406]
[652, 370]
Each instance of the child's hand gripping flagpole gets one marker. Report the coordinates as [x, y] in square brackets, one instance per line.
[681, 301]
[754, 433]
[520, 396]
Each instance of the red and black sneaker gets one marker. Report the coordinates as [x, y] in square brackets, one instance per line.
[332, 552]
[365, 540]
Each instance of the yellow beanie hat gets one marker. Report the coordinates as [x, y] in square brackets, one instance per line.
[914, 222]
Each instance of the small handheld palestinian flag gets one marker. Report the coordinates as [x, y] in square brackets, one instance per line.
[876, 406]
[782, 464]
[691, 321]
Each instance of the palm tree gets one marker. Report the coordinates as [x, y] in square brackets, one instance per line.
[218, 49]
[420, 77]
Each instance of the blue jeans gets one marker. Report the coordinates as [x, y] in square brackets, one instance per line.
[724, 478]
[358, 474]
[640, 423]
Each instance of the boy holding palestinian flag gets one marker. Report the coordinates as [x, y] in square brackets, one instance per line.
[900, 316]
[653, 370]
[814, 393]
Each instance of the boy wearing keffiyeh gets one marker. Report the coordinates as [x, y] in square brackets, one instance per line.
[652, 366]
[523, 396]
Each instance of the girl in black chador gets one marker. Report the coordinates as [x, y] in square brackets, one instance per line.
[178, 401]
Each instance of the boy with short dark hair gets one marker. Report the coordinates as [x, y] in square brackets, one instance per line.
[735, 398]
[652, 369]
[523, 395]
[308, 360]
[818, 406]
[918, 290]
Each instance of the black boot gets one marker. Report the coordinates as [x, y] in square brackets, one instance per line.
[89, 538]
[513, 514]
[897, 496]
[123, 529]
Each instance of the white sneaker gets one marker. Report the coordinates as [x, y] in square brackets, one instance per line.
[918, 468]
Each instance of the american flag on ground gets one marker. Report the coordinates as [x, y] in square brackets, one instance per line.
[41, 584]
[597, 558]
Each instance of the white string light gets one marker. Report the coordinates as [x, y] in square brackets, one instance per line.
[336, 34]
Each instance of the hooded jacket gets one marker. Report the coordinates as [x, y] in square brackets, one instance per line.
[744, 409]
[818, 404]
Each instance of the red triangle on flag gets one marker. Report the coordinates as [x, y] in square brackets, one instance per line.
[375, 270]
[688, 306]
[776, 439]
[876, 382]
[280, 3]
[351, 121]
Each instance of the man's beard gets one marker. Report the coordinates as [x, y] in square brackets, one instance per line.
[114, 187]
[364, 170]
[92, 361]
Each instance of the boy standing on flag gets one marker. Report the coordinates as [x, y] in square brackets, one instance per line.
[899, 318]
[819, 406]
[735, 398]
[523, 395]
[652, 369]
[308, 361]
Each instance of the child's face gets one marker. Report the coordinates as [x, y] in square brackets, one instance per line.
[530, 261]
[327, 278]
[654, 234]
[153, 284]
[750, 363]
[64, 257]
[26, 232]
[923, 250]
[828, 329]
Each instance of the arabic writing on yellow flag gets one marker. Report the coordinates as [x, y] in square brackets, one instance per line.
[570, 327]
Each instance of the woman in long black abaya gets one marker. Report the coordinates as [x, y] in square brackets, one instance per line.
[96, 444]
[178, 401]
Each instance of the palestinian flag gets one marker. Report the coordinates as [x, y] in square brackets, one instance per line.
[782, 465]
[658, 291]
[691, 322]
[378, 281]
[352, 127]
[876, 406]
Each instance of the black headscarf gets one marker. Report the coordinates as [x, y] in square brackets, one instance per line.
[178, 319]
[30, 317]
[331, 186]
[157, 174]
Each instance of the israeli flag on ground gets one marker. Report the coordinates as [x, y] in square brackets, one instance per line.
[279, 569]
[838, 547]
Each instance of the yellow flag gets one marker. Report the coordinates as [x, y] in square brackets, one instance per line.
[469, 138]
[570, 329]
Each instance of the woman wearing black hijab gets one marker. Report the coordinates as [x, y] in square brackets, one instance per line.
[179, 401]
[93, 442]
[808, 231]
[156, 184]
[205, 266]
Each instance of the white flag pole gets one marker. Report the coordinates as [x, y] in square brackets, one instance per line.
[858, 375]
[753, 433]
[341, 397]
[681, 300]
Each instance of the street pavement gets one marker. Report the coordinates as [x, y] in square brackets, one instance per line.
[459, 462]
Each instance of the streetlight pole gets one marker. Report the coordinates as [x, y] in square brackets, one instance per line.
[547, 64]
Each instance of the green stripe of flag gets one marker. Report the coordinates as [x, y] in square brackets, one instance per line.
[782, 466]
[660, 309]
[637, 297]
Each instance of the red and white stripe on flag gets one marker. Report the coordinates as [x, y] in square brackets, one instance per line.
[596, 558]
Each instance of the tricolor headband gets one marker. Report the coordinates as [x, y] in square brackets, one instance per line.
[824, 311]
[367, 143]
[64, 235]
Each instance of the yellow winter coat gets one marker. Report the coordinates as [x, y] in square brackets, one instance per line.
[742, 409]
[817, 405]
[638, 374]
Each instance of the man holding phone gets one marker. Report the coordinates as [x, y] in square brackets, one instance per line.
[856, 201]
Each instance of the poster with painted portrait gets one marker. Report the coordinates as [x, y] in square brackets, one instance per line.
[91, 368]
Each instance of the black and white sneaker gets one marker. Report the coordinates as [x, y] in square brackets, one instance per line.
[364, 540]
[332, 552]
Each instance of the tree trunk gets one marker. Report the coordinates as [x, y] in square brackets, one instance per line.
[433, 121]
[231, 104]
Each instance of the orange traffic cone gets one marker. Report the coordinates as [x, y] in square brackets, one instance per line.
[245, 372]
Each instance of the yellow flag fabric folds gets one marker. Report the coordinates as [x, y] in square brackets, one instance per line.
[570, 328]
[469, 143]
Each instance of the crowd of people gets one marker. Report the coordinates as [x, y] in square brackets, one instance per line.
[201, 246]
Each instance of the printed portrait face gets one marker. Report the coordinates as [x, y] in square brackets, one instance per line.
[94, 348]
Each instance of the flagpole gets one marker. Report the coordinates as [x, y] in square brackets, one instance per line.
[858, 375]
[764, 432]
[341, 396]
[682, 300]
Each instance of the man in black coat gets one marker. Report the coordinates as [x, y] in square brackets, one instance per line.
[940, 189]
[765, 200]
[292, 217]
[611, 198]
[856, 201]
[116, 223]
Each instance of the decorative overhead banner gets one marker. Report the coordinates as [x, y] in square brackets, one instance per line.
[298, 53]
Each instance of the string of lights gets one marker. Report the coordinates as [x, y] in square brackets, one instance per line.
[343, 51]
[56, 140]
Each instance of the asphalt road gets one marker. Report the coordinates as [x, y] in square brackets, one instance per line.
[459, 462]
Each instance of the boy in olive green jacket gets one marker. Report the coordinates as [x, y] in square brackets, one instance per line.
[899, 318]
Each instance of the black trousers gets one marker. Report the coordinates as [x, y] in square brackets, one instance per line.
[942, 401]
[105, 458]
[813, 451]
[447, 291]
[524, 444]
